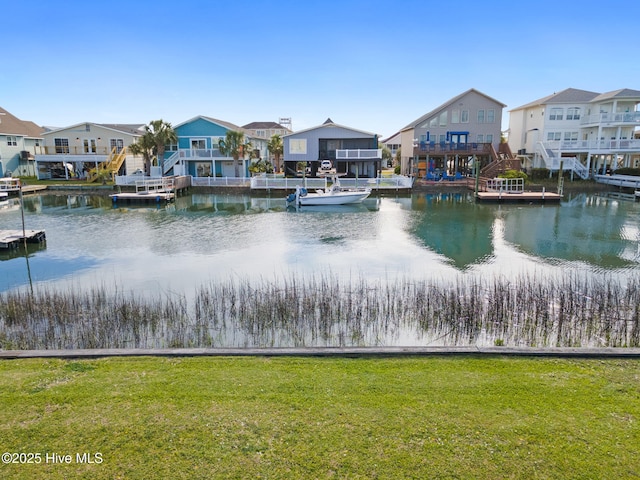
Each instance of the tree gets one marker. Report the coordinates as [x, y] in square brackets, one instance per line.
[261, 166]
[161, 133]
[276, 148]
[144, 146]
[235, 146]
[156, 136]
[386, 156]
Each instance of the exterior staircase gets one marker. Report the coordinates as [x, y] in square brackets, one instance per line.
[501, 161]
[552, 161]
[111, 165]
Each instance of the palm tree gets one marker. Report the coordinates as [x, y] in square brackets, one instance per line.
[144, 146]
[234, 145]
[276, 148]
[161, 133]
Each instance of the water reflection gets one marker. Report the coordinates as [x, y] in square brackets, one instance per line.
[204, 237]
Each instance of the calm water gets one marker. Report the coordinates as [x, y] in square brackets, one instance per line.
[204, 241]
[202, 238]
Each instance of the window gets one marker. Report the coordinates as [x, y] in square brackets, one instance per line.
[62, 145]
[570, 136]
[553, 136]
[455, 116]
[12, 141]
[573, 113]
[423, 138]
[556, 114]
[491, 116]
[464, 116]
[433, 122]
[117, 143]
[443, 119]
[489, 138]
[480, 138]
[480, 116]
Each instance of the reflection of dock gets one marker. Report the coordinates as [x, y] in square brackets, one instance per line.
[15, 238]
[523, 197]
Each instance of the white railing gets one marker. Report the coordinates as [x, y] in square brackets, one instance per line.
[153, 185]
[507, 185]
[170, 162]
[131, 179]
[619, 180]
[593, 145]
[9, 184]
[618, 118]
[552, 160]
[359, 154]
[383, 183]
[204, 153]
[220, 182]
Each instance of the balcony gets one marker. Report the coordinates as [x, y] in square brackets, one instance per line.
[610, 119]
[359, 154]
[441, 148]
[595, 146]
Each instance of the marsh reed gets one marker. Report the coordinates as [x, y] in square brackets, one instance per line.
[325, 310]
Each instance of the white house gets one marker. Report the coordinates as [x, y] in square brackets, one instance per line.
[588, 132]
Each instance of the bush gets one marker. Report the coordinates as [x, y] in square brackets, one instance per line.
[514, 174]
[396, 170]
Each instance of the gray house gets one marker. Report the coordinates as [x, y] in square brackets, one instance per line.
[448, 137]
[354, 153]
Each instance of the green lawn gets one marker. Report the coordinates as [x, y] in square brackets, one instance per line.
[255, 417]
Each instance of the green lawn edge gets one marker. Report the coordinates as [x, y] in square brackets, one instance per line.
[310, 417]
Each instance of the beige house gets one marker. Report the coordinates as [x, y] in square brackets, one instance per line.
[73, 151]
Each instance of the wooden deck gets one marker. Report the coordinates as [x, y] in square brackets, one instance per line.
[519, 197]
[15, 238]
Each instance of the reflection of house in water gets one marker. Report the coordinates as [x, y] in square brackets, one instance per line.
[454, 227]
[580, 232]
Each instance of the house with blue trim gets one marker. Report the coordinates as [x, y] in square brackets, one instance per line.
[197, 152]
[19, 140]
[353, 153]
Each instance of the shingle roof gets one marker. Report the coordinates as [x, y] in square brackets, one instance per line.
[262, 125]
[426, 116]
[11, 125]
[569, 95]
[618, 94]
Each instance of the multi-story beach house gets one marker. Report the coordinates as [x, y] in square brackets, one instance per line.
[585, 132]
[197, 153]
[77, 151]
[18, 142]
[446, 140]
[353, 153]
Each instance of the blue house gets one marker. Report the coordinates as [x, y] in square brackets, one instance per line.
[197, 153]
[352, 152]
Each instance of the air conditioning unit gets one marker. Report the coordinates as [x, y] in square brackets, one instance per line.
[522, 151]
[24, 155]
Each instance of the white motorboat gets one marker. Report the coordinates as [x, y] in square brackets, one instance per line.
[333, 195]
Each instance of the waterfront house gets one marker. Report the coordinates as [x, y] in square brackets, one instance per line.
[588, 132]
[197, 153]
[393, 143]
[78, 150]
[18, 142]
[354, 153]
[445, 140]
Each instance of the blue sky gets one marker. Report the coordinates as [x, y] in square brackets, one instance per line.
[370, 65]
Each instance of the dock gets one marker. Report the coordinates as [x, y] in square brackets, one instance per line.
[16, 238]
[511, 190]
[155, 190]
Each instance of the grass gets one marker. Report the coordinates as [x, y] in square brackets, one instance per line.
[413, 417]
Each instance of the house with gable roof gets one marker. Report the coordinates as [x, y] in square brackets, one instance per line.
[445, 140]
[19, 140]
[197, 153]
[587, 132]
[77, 150]
[353, 153]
